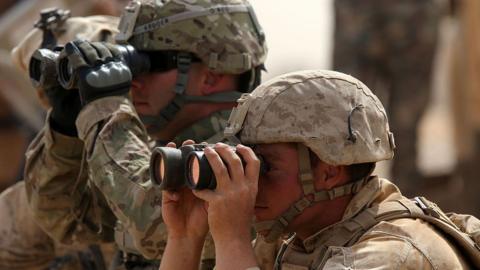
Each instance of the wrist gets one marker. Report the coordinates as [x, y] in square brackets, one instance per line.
[68, 129]
[236, 234]
[185, 240]
[237, 253]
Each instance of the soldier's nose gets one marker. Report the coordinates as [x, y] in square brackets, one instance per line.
[137, 85]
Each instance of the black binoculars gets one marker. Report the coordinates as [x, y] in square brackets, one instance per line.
[47, 69]
[172, 168]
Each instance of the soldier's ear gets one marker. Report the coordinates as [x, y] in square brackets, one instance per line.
[328, 176]
[211, 82]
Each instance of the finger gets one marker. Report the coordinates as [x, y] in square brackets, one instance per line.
[218, 167]
[89, 53]
[74, 55]
[205, 194]
[170, 196]
[232, 160]
[103, 52]
[188, 142]
[171, 144]
[252, 163]
[113, 50]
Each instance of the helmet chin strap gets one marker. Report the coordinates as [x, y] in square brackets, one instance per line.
[277, 226]
[156, 123]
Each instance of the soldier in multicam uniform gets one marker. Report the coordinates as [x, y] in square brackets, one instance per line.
[204, 54]
[390, 45]
[23, 243]
[319, 134]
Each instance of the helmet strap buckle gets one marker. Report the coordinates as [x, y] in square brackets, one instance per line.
[184, 61]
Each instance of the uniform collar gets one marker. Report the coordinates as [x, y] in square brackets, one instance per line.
[209, 129]
[374, 192]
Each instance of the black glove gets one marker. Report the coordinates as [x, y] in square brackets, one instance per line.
[98, 69]
[65, 108]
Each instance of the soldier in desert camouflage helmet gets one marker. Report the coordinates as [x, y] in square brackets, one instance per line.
[204, 55]
[319, 134]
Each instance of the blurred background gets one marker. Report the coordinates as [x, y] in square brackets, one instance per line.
[420, 57]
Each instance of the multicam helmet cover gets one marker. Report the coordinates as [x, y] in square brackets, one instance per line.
[224, 34]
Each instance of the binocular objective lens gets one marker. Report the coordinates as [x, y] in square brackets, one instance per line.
[194, 169]
[161, 169]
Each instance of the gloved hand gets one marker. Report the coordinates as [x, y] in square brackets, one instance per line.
[97, 69]
[65, 108]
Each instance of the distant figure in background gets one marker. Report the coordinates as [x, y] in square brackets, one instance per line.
[390, 46]
[465, 96]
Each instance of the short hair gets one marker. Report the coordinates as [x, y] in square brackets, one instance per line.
[355, 171]
[360, 170]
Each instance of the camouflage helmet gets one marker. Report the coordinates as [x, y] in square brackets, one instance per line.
[92, 28]
[333, 114]
[329, 113]
[224, 34]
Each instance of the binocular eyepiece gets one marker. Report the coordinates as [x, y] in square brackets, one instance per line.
[42, 68]
[172, 168]
[47, 68]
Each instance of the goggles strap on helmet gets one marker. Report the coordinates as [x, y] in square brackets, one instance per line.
[256, 24]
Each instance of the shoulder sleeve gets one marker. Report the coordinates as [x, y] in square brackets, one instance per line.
[118, 155]
[57, 190]
[23, 245]
[378, 250]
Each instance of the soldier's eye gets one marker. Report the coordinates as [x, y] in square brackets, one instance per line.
[264, 165]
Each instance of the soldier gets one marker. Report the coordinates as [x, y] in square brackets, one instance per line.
[319, 134]
[21, 115]
[203, 56]
[23, 243]
[390, 45]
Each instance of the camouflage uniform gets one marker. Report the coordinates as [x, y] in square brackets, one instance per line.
[390, 46]
[397, 244]
[24, 244]
[117, 147]
[21, 116]
[337, 118]
[72, 211]
[18, 230]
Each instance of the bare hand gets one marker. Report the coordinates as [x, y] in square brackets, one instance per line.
[231, 204]
[184, 214]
